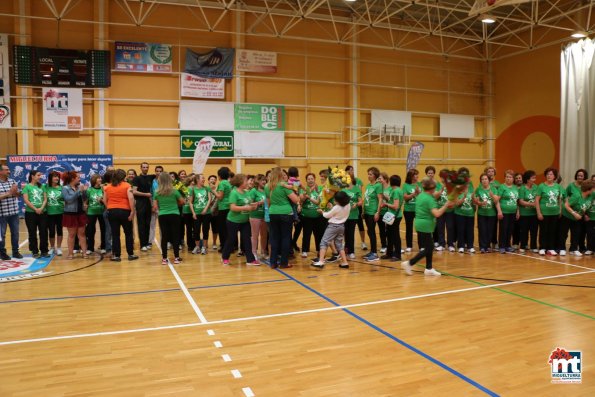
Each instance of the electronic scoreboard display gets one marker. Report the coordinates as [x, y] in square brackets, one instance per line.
[61, 68]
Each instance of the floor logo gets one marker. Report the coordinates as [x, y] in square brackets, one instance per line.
[566, 366]
[19, 269]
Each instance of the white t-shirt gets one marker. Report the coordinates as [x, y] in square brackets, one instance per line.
[337, 214]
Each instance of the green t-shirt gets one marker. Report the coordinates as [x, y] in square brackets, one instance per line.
[35, 195]
[309, 209]
[591, 211]
[186, 206]
[371, 198]
[495, 184]
[279, 200]
[354, 193]
[527, 194]
[551, 196]
[509, 196]
[466, 208]
[572, 190]
[168, 205]
[443, 199]
[425, 221]
[578, 204]
[483, 195]
[225, 187]
[409, 188]
[55, 204]
[239, 199]
[396, 194]
[358, 182]
[200, 199]
[94, 195]
[256, 196]
[386, 196]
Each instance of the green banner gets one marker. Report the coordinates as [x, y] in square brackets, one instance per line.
[250, 117]
[223, 143]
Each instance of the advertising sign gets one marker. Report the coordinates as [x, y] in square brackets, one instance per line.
[200, 87]
[62, 109]
[251, 117]
[143, 57]
[256, 61]
[223, 146]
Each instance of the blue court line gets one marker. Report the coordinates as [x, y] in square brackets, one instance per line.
[139, 292]
[399, 341]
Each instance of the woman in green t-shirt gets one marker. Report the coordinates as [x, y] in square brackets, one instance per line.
[485, 197]
[222, 195]
[465, 220]
[166, 203]
[373, 198]
[258, 226]
[95, 209]
[360, 219]
[386, 190]
[311, 219]
[355, 202]
[410, 191]
[548, 201]
[426, 212]
[35, 216]
[238, 220]
[508, 211]
[199, 202]
[590, 218]
[528, 221]
[575, 208]
[575, 189]
[55, 209]
[394, 203]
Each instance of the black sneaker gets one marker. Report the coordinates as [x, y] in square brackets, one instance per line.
[4, 256]
[395, 259]
[344, 266]
[17, 255]
[132, 257]
[116, 259]
[45, 255]
[385, 257]
[35, 255]
[332, 259]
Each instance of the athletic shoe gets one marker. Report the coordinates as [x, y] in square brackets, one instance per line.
[535, 250]
[432, 272]
[333, 258]
[576, 253]
[471, 250]
[88, 252]
[402, 252]
[164, 261]
[552, 253]
[383, 250]
[510, 250]
[225, 262]
[439, 248]
[116, 259]
[385, 257]
[407, 267]
[35, 255]
[372, 258]
[451, 249]
[203, 251]
[521, 251]
[45, 255]
[589, 252]
[395, 259]
[214, 247]
[4, 256]
[304, 254]
[364, 247]
[240, 253]
[367, 255]
[177, 261]
[408, 249]
[502, 251]
[318, 264]
[101, 251]
[482, 251]
[461, 250]
[149, 246]
[562, 252]
[253, 263]
[541, 252]
[344, 266]
[132, 257]
[144, 249]
[352, 256]
[51, 252]
[169, 246]
[17, 255]
[515, 247]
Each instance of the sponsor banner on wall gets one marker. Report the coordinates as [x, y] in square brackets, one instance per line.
[143, 57]
[62, 109]
[217, 63]
[85, 165]
[223, 146]
[5, 115]
[256, 61]
[200, 87]
[251, 117]
[414, 155]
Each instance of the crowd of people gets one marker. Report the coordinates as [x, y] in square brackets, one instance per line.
[270, 212]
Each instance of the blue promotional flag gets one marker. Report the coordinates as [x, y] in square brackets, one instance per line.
[414, 155]
[217, 63]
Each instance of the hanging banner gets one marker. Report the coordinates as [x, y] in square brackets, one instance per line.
[250, 117]
[62, 109]
[5, 115]
[217, 63]
[199, 87]
[143, 57]
[256, 61]
[86, 166]
[222, 147]
[414, 155]
[201, 154]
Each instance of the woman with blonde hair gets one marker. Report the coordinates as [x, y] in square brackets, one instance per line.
[166, 202]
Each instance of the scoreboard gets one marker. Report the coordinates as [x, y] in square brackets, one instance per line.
[57, 67]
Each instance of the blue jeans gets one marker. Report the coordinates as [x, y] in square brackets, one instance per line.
[11, 221]
[280, 236]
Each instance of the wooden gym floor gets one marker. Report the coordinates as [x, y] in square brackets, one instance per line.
[486, 327]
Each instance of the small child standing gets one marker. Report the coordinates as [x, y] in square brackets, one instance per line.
[335, 231]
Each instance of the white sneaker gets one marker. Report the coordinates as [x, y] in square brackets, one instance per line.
[402, 251]
[589, 252]
[576, 253]
[304, 254]
[439, 248]
[214, 248]
[521, 251]
[383, 250]
[364, 246]
[58, 252]
[75, 251]
[203, 251]
[562, 252]
[451, 249]
[318, 264]
[471, 250]
[554, 253]
[88, 252]
[535, 250]
[169, 246]
[432, 272]
[144, 249]
[352, 256]
[407, 267]
[541, 252]
[461, 250]
[195, 250]
[51, 252]
[408, 249]
[102, 252]
[516, 247]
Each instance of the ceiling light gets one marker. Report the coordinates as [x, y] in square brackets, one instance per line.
[579, 34]
[487, 18]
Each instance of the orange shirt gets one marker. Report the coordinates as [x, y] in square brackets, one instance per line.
[117, 196]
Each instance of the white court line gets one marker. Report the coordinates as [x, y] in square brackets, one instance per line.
[236, 373]
[218, 344]
[286, 314]
[201, 317]
[539, 258]
[226, 358]
[210, 332]
[23, 243]
[248, 392]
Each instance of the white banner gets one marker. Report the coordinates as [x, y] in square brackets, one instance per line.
[206, 116]
[62, 109]
[256, 61]
[5, 115]
[259, 144]
[199, 87]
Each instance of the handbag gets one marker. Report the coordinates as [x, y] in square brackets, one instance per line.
[389, 218]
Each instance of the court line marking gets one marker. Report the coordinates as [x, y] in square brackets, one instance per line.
[218, 344]
[210, 332]
[236, 373]
[248, 392]
[286, 314]
[539, 258]
[226, 357]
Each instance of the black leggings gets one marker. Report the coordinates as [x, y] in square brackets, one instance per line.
[393, 239]
[548, 227]
[382, 231]
[426, 249]
[465, 230]
[170, 232]
[371, 226]
[360, 220]
[409, 218]
[350, 235]
[232, 240]
[222, 227]
[506, 226]
[189, 225]
[202, 222]
[55, 225]
[34, 223]
[528, 226]
[311, 226]
[90, 231]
